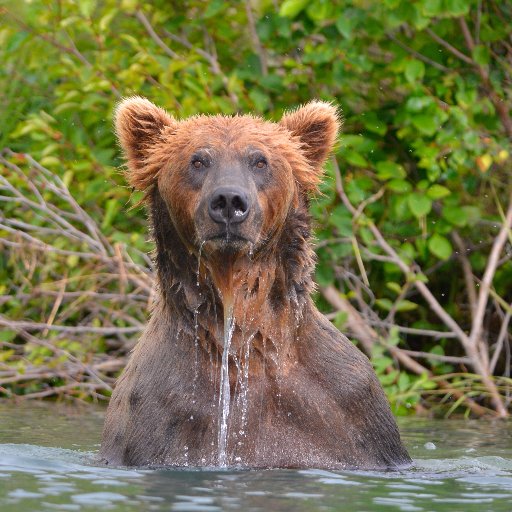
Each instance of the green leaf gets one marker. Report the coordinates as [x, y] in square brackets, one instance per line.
[384, 304]
[291, 8]
[354, 158]
[320, 10]
[345, 24]
[340, 320]
[87, 7]
[456, 8]
[388, 170]
[432, 7]
[419, 204]
[324, 274]
[425, 123]
[214, 8]
[406, 305]
[414, 70]
[373, 124]
[455, 215]
[437, 192]
[481, 55]
[260, 99]
[440, 246]
[395, 287]
[400, 186]
[7, 335]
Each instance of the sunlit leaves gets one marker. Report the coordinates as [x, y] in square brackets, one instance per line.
[422, 152]
[290, 8]
[389, 170]
[437, 191]
[414, 70]
[440, 246]
[419, 204]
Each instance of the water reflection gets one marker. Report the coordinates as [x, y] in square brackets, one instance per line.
[470, 469]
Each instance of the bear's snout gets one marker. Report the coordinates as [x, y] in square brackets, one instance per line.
[229, 205]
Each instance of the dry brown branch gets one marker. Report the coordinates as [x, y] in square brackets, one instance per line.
[500, 104]
[490, 270]
[502, 336]
[156, 38]
[415, 332]
[449, 47]
[212, 60]
[363, 332]
[467, 271]
[479, 363]
[35, 326]
[257, 46]
[101, 299]
[70, 50]
[418, 55]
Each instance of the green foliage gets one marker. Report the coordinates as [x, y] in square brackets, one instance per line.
[425, 148]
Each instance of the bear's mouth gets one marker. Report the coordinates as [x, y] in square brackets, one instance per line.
[228, 242]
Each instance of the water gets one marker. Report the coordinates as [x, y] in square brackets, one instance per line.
[225, 388]
[47, 463]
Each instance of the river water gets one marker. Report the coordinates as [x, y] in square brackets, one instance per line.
[47, 463]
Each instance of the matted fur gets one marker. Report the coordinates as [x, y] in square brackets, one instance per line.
[302, 395]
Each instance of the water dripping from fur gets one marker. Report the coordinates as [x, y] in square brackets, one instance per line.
[196, 324]
[224, 388]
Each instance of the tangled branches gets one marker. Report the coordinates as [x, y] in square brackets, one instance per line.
[86, 297]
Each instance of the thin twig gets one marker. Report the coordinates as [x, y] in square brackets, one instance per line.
[467, 271]
[156, 38]
[490, 270]
[412, 274]
[449, 47]
[36, 326]
[503, 334]
[258, 47]
[418, 55]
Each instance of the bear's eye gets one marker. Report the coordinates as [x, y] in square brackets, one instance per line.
[261, 163]
[197, 163]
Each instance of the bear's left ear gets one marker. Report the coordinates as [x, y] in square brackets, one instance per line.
[316, 125]
[141, 128]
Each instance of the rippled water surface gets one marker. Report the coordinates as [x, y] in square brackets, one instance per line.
[47, 463]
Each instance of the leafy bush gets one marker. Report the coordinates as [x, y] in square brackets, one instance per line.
[414, 224]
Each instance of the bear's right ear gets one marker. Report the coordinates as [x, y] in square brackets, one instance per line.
[140, 126]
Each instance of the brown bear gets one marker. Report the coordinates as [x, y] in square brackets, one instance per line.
[237, 367]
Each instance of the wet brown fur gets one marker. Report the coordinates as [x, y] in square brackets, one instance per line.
[302, 394]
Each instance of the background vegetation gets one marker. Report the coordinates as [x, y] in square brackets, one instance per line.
[414, 236]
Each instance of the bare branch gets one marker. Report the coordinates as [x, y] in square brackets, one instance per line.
[364, 332]
[503, 334]
[258, 47]
[418, 55]
[412, 275]
[36, 326]
[437, 357]
[467, 271]
[211, 59]
[156, 38]
[499, 103]
[490, 270]
[449, 47]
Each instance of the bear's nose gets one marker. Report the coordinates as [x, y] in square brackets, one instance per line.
[228, 205]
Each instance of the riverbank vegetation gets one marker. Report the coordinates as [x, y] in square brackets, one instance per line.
[413, 229]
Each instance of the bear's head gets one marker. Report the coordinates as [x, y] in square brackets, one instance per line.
[229, 183]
